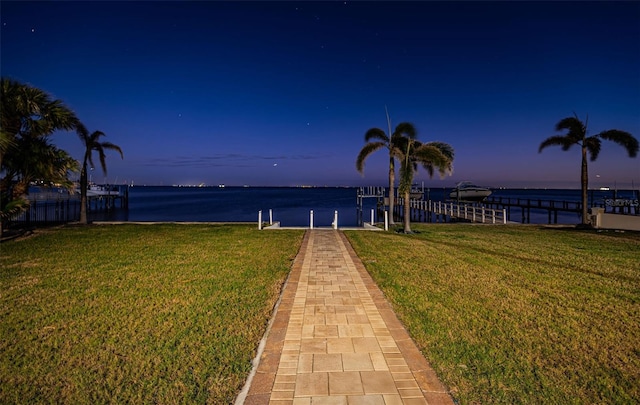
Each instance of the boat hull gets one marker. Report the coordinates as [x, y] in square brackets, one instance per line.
[470, 194]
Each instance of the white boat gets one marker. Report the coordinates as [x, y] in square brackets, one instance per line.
[96, 190]
[465, 190]
[417, 192]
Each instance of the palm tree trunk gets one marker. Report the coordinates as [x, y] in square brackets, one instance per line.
[83, 195]
[392, 183]
[407, 212]
[584, 183]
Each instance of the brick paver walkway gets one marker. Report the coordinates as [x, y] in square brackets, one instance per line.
[335, 339]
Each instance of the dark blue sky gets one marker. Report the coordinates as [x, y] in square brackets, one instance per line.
[281, 93]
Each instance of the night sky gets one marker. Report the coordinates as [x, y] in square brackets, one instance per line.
[281, 93]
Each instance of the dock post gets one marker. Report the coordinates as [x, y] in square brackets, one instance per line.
[504, 216]
[372, 218]
[270, 216]
[311, 220]
[260, 220]
[386, 220]
[335, 219]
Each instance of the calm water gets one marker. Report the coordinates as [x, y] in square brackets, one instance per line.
[292, 206]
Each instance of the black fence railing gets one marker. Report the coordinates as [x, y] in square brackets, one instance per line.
[48, 213]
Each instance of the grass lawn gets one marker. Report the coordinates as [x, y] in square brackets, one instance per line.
[136, 313]
[517, 314]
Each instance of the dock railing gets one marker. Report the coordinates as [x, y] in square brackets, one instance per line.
[443, 210]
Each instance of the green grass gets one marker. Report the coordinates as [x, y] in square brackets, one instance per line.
[517, 314]
[173, 313]
[136, 313]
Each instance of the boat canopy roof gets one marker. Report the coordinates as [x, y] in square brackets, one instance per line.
[465, 184]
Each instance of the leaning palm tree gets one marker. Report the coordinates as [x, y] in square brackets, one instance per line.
[91, 143]
[577, 135]
[377, 139]
[412, 153]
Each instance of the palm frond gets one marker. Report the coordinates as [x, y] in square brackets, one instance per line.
[111, 146]
[102, 156]
[376, 133]
[366, 150]
[431, 157]
[13, 207]
[6, 141]
[572, 124]
[95, 136]
[400, 145]
[622, 138]
[59, 116]
[593, 145]
[561, 140]
[445, 148]
[407, 130]
[82, 132]
[576, 130]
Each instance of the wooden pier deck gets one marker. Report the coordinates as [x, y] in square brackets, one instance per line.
[501, 209]
[552, 207]
[441, 211]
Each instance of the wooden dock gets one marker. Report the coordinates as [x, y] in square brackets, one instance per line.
[553, 207]
[370, 192]
[525, 205]
[107, 200]
[56, 207]
[447, 211]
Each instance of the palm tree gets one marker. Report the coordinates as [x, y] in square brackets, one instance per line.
[28, 112]
[376, 139]
[27, 117]
[431, 155]
[35, 159]
[91, 143]
[577, 135]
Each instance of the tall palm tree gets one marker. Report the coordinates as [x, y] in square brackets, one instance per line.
[27, 117]
[377, 139]
[92, 143]
[577, 135]
[412, 153]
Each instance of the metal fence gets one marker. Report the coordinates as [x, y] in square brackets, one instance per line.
[49, 212]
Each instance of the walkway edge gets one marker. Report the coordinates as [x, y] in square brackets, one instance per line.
[259, 385]
[257, 389]
[434, 391]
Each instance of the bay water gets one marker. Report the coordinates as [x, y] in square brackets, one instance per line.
[291, 206]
